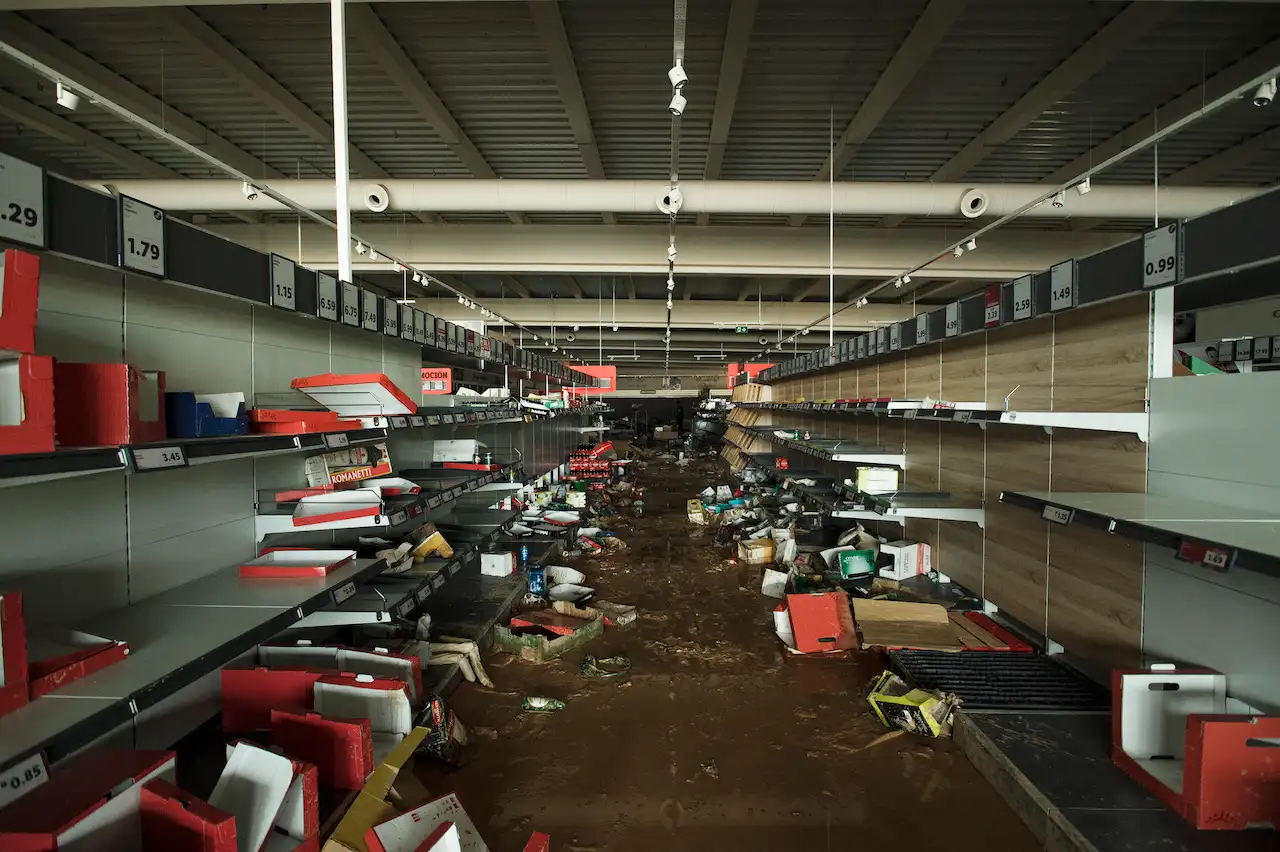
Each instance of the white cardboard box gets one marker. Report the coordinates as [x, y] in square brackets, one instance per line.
[497, 564]
[460, 450]
[909, 559]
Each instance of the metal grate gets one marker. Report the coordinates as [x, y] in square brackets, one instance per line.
[1000, 680]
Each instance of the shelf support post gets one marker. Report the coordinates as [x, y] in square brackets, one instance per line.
[341, 164]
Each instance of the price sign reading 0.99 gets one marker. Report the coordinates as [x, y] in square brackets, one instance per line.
[141, 237]
[21, 202]
[1160, 256]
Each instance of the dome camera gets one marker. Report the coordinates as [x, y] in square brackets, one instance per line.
[1265, 94]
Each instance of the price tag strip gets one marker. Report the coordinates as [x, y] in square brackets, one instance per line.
[1057, 514]
[1214, 558]
[344, 593]
[336, 440]
[157, 458]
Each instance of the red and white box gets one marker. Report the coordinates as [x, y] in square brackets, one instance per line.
[302, 654]
[90, 805]
[393, 486]
[1210, 758]
[383, 701]
[350, 465]
[356, 394]
[13, 653]
[19, 300]
[250, 694]
[910, 559]
[296, 563]
[174, 820]
[108, 404]
[409, 831]
[253, 788]
[337, 506]
[340, 749]
[498, 564]
[822, 621]
[57, 658]
[281, 421]
[26, 404]
[384, 663]
[299, 814]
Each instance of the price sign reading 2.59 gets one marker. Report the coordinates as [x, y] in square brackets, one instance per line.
[21, 202]
[141, 237]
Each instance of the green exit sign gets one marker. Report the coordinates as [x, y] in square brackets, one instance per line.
[742, 329]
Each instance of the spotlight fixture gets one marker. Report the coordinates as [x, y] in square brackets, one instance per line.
[250, 191]
[398, 267]
[677, 76]
[68, 99]
[679, 102]
[668, 302]
[417, 277]
[373, 253]
[957, 251]
[671, 283]
[1084, 186]
[671, 252]
[1265, 94]
[906, 279]
[804, 331]
[360, 249]
[972, 245]
[1059, 199]
[615, 328]
[575, 328]
[461, 300]
[898, 284]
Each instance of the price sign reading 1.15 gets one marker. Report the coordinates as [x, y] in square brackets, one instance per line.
[141, 237]
[282, 283]
[21, 202]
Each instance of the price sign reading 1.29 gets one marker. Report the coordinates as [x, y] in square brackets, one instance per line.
[141, 237]
[21, 202]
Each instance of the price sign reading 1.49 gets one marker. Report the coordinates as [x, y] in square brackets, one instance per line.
[21, 202]
[141, 237]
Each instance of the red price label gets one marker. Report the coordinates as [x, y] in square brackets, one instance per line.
[781, 463]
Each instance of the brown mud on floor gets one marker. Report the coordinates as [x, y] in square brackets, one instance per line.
[718, 740]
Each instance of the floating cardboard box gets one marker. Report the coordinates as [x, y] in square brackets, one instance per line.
[537, 648]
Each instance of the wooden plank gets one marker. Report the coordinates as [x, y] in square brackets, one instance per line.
[923, 368]
[960, 554]
[1100, 357]
[1097, 461]
[962, 460]
[1016, 575]
[964, 369]
[1021, 356]
[1017, 460]
[892, 377]
[984, 638]
[922, 451]
[1095, 595]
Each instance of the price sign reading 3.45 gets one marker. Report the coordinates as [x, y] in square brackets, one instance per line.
[141, 237]
[21, 202]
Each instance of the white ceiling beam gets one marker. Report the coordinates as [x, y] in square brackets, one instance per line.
[549, 24]
[808, 291]
[53, 125]
[62, 57]
[574, 287]
[716, 250]
[1134, 22]
[1255, 64]
[752, 289]
[513, 284]
[364, 25]
[733, 61]
[1249, 151]
[631, 288]
[912, 55]
[456, 283]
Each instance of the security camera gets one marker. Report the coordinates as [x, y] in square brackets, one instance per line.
[677, 77]
[679, 102]
[68, 99]
[250, 191]
[1059, 200]
[1265, 94]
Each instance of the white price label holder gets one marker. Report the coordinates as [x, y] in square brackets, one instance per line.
[350, 304]
[22, 777]
[1057, 514]
[953, 319]
[344, 592]
[141, 237]
[282, 283]
[368, 310]
[1062, 286]
[157, 458]
[326, 297]
[336, 440]
[22, 216]
[406, 322]
[390, 317]
[922, 329]
[895, 337]
[419, 327]
[1022, 298]
[1160, 257]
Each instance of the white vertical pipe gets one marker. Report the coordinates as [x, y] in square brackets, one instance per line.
[341, 166]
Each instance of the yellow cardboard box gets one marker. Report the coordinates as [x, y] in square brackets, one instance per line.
[916, 711]
[391, 790]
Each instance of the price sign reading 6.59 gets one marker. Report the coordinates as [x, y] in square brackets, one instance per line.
[21, 202]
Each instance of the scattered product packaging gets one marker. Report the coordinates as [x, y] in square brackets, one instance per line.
[910, 558]
[528, 640]
[352, 464]
[615, 615]
[901, 624]
[821, 622]
[356, 395]
[19, 300]
[758, 551]
[13, 653]
[498, 564]
[392, 789]
[849, 562]
[58, 657]
[28, 378]
[425, 827]
[916, 711]
[561, 618]
[774, 584]
[107, 404]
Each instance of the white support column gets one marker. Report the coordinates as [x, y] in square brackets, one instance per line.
[1162, 333]
[341, 166]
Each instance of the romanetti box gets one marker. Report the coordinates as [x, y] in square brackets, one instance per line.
[353, 464]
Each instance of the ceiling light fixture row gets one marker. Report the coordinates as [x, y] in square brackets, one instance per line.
[678, 79]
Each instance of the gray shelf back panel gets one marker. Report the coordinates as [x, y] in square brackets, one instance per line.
[305, 299]
[973, 313]
[82, 223]
[200, 259]
[1113, 272]
[1233, 236]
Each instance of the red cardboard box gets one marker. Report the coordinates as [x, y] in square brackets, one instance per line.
[19, 300]
[174, 820]
[59, 659]
[340, 749]
[26, 404]
[250, 694]
[13, 653]
[108, 404]
[822, 622]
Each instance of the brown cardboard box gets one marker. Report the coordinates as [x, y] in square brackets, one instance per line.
[392, 789]
[539, 649]
[756, 551]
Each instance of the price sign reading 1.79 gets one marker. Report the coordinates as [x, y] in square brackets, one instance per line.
[141, 237]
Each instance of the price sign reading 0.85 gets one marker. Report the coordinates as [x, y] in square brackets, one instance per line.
[22, 778]
[21, 202]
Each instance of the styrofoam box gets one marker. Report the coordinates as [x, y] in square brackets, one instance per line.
[460, 450]
[497, 564]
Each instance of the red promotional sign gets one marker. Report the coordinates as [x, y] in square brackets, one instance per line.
[992, 316]
[437, 381]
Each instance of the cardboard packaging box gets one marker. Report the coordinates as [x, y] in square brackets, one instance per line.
[57, 658]
[391, 790]
[173, 819]
[537, 648]
[26, 404]
[433, 821]
[822, 621]
[461, 450]
[756, 551]
[916, 711]
[356, 394]
[910, 558]
[340, 749]
[108, 404]
[901, 624]
[19, 300]
[352, 464]
[13, 653]
[250, 694]
[497, 564]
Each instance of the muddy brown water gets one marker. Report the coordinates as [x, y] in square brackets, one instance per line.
[718, 740]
